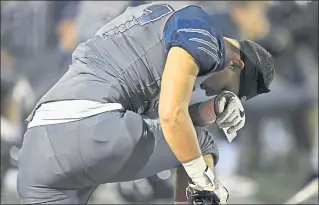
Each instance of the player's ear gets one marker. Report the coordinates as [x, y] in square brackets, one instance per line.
[237, 63]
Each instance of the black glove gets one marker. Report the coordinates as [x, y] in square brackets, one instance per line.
[219, 195]
[203, 198]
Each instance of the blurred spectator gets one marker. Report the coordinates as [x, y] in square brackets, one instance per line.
[294, 43]
[212, 7]
[46, 25]
[17, 99]
[243, 20]
[25, 28]
[294, 40]
[94, 14]
[65, 13]
[7, 76]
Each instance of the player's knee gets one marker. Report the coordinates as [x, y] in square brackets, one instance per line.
[25, 191]
[207, 143]
[20, 186]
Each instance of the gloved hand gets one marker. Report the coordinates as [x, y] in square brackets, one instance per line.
[202, 180]
[229, 111]
[213, 195]
[205, 181]
[203, 198]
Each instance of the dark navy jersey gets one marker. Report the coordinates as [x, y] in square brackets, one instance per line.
[125, 59]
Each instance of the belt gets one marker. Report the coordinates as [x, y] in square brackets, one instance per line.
[69, 111]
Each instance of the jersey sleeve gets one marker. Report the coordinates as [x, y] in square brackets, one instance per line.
[191, 28]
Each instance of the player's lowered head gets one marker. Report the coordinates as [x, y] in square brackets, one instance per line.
[249, 70]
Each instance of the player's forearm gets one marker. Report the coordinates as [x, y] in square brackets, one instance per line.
[180, 135]
[202, 114]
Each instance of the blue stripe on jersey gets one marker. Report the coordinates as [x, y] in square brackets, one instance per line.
[191, 28]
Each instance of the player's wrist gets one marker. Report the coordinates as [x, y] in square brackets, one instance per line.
[203, 114]
[199, 173]
[207, 110]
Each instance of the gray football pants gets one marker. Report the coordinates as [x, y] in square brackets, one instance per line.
[64, 163]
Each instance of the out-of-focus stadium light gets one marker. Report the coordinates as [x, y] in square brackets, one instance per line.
[273, 3]
[302, 3]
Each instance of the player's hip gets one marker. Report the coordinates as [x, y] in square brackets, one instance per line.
[82, 153]
[58, 161]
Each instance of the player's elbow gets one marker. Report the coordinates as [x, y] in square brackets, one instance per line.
[172, 116]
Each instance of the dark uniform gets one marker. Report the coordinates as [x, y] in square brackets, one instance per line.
[123, 63]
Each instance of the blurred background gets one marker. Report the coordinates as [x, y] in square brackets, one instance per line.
[272, 158]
